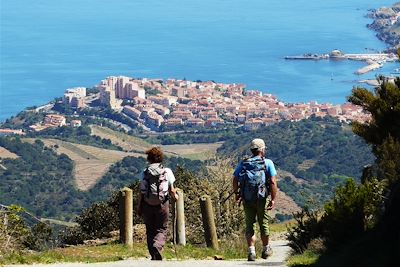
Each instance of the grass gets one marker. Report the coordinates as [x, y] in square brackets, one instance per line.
[58, 222]
[193, 151]
[308, 258]
[115, 252]
[279, 228]
[369, 250]
[234, 248]
[112, 252]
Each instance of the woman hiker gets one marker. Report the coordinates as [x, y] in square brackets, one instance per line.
[156, 187]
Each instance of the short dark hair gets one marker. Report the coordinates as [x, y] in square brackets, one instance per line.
[155, 155]
[255, 151]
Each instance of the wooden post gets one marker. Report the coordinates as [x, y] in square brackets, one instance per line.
[126, 216]
[210, 231]
[180, 219]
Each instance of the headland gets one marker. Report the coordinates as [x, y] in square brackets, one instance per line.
[387, 26]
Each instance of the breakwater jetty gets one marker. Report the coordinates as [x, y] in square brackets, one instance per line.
[374, 60]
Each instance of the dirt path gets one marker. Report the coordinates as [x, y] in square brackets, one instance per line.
[280, 247]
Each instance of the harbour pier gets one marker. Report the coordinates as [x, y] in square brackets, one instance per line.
[374, 60]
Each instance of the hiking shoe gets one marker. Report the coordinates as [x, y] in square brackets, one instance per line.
[251, 257]
[267, 252]
[156, 256]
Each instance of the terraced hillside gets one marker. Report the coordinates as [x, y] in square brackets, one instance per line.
[134, 144]
[6, 154]
[90, 163]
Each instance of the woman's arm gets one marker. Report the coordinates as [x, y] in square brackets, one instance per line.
[173, 192]
[139, 203]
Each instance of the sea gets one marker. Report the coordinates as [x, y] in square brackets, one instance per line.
[47, 46]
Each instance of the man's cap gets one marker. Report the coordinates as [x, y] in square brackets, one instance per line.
[257, 144]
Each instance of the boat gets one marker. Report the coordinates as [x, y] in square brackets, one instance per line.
[396, 71]
[309, 56]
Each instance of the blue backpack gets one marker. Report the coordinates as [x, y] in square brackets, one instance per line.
[254, 184]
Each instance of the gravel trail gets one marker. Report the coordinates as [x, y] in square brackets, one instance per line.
[280, 247]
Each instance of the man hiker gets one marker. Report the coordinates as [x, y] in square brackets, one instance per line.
[156, 187]
[254, 183]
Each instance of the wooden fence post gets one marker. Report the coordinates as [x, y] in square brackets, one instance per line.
[126, 216]
[179, 219]
[207, 213]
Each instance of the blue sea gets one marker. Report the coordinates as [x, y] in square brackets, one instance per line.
[48, 46]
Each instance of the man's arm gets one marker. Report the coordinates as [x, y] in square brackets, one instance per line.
[235, 185]
[274, 190]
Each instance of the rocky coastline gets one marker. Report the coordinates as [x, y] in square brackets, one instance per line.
[387, 25]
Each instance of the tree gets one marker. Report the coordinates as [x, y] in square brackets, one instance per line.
[383, 132]
[384, 106]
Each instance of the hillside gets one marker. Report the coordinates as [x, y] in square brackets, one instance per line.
[39, 180]
[6, 154]
[317, 155]
[90, 163]
[285, 205]
[313, 157]
[131, 143]
[43, 176]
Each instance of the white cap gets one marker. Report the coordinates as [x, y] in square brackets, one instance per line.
[257, 144]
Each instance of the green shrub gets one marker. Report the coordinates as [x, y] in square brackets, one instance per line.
[39, 238]
[73, 236]
[353, 210]
[308, 227]
[217, 183]
[12, 229]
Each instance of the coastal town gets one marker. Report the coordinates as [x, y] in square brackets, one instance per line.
[197, 103]
[174, 104]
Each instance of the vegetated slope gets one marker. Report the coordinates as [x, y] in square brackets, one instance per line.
[200, 151]
[39, 180]
[90, 163]
[80, 135]
[129, 169]
[127, 142]
[319, 151]
[43, 182]
[286, 205]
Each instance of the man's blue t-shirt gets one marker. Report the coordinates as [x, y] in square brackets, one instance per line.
[270, 168]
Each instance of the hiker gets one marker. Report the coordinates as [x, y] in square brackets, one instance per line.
[156, 187]
[254, 183]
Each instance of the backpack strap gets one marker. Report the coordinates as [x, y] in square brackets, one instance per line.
[267, 178]
[145, 178]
